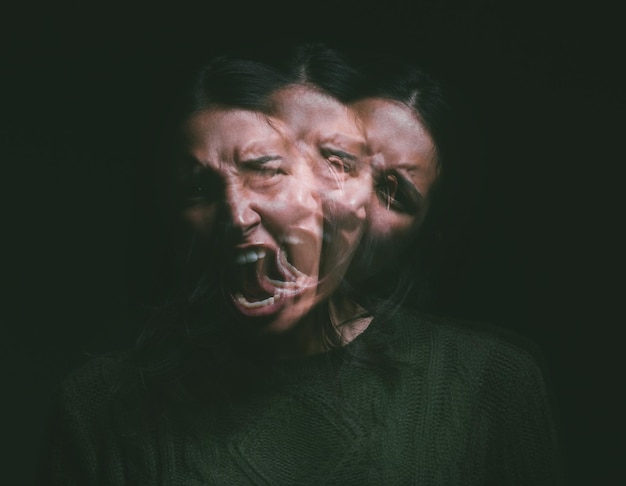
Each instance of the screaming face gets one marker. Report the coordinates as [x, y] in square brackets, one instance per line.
[332, 140]
[249, 188]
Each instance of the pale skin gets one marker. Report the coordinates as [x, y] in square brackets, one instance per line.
[271, 194]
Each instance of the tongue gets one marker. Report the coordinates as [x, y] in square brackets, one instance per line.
[267, 276]
[252, 282]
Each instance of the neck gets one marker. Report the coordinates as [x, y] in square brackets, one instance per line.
[340, 317]
[349, 318]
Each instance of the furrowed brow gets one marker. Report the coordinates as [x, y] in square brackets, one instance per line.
[342, 154]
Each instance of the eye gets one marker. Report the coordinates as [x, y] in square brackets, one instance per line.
[264, 171]
[269, 171]
[341, 162]
[398, 194]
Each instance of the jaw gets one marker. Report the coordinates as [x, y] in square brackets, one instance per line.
[274, 285]
[342, 240]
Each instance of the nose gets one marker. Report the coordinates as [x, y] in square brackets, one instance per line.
[242, 208]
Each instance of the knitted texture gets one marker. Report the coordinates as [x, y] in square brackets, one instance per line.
[465, 406]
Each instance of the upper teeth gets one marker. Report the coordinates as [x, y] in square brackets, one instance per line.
[249, 256]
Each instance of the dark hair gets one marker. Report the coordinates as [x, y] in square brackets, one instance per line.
[325, 67]
[322, 65]
[233, 83]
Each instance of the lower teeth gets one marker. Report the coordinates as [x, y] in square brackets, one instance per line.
[253, 305]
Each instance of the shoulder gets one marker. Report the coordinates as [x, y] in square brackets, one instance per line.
[87, 393]
[463, 343]
[487, 367]
[98, 375]
[82, 422]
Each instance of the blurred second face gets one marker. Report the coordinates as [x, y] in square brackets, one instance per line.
[331, 138]
[404, 169]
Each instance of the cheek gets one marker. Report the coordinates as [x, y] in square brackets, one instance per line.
[390, 227]
[345, 212]
[349, 203]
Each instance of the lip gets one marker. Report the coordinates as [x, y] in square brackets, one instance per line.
[263, 280]
[257, 309]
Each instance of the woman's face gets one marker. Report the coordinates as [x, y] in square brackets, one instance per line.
[404, 170]
[332, 140]
[243, 170]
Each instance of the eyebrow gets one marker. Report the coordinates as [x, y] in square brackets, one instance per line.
[341, 153]
[261, 160]
[408, 166]
[343, 139]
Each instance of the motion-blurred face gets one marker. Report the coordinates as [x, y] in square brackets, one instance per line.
[333, 141]
[243, 168]
[404, 169]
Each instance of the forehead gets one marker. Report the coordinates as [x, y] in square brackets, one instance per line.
[392, 126]
[309, 111]
[232, 132]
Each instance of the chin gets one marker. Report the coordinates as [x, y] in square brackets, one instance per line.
[278, 317]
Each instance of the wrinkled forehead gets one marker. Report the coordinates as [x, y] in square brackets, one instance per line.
[222, 133]
[387, 121]
[313, 115]
[383, 116]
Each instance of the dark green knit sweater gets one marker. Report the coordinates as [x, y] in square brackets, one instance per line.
[464, 407]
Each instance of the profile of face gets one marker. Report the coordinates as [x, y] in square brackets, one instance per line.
[404, 170]
[331, 138]
[248, 187]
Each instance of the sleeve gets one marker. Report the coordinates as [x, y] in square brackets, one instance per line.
[81, 444]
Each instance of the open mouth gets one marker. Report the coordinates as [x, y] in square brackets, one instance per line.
[264, 279]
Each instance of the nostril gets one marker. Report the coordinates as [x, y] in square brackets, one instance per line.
[242, 213]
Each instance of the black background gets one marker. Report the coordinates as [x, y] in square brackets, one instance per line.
[84, 85]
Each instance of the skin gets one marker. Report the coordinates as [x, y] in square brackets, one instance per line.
[244, 170]
[405, 169]
[331, 138]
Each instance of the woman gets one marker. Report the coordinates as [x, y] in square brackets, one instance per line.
[259, 255]
[259, 368]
